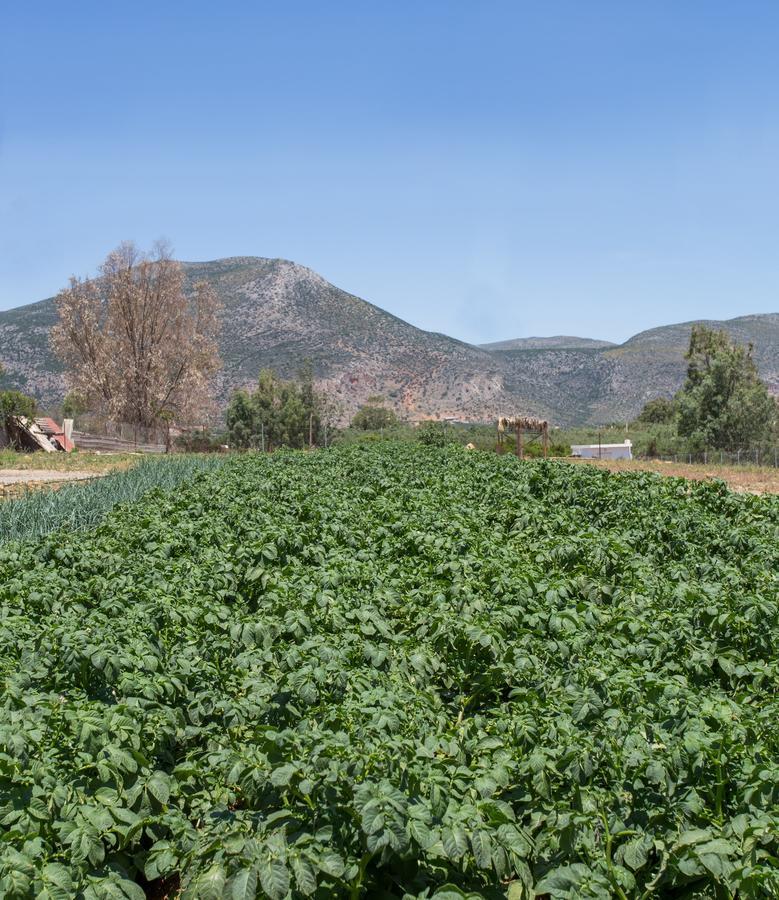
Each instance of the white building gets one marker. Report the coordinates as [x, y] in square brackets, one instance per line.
[603, 451]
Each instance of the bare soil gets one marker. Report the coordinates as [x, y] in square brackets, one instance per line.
[24, 472]
[23, 476]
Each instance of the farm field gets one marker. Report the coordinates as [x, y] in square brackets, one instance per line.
[81, 506]
[395, 671]
[744, 479]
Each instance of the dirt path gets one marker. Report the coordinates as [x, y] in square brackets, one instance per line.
[744, 479]
[22, 476]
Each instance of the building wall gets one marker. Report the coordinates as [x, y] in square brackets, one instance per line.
[608, 451]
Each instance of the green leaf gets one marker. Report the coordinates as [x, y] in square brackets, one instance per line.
[693, 836]
[57, 879]
[282, 775]
[449, 892]
[158, 785]
[455, 842]
[330, 863]
[210, 885]
[562, 879]
[305, 875]
[161, 860]
[243, 886]
[655, 772]
[517, 891]
[635, 852]
[274, 878]
[482, 849]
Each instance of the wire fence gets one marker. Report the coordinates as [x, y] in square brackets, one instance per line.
[123, 431]
[766, 456]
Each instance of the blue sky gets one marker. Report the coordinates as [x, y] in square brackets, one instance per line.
[485, 169]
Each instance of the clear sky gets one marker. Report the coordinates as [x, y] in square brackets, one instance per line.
[487, 169]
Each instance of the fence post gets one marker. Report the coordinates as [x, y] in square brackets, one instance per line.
[519, 448]
[757, 456]
[705, 457]
[738, 456]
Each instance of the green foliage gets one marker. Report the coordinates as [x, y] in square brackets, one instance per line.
[15, 403]
[82, 506]
[397, 671]
[660, 411]
[723, 402]
[374, 416]
[74, 405]
[436, 434]
[535, 449]
[278, 413]
[201, 441]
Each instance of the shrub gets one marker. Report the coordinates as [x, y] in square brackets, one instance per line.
[373, 416]
[436, 434]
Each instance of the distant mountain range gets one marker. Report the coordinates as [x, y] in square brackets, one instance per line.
[276, 313]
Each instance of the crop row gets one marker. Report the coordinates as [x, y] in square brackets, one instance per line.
[395, 671]
[81, 506]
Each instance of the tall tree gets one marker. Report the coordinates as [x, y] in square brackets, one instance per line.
[136, 346]
[660, 411]
[374, 415]
[309, 399]
[723, 402]
[279, 413]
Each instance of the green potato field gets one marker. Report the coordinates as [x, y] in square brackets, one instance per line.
[392, 671]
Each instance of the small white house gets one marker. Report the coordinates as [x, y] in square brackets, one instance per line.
[603, 451]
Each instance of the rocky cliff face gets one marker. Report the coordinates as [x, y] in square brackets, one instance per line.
[276, 313]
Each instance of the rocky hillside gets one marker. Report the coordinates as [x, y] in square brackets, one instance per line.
[556, 342]
[611, 383]
[276, 313]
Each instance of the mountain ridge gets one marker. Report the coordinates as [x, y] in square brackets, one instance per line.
[553, 342]
[277, 312]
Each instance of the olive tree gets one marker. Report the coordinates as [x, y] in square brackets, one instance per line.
[723, 402]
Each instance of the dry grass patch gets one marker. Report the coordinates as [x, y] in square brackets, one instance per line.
[82, 461]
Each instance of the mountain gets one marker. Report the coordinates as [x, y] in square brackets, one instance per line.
[592, 384]
[556, 342]
[276, 313]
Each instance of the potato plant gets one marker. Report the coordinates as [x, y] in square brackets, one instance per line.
[395, 671]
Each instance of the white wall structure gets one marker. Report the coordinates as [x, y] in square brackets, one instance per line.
[603, 451]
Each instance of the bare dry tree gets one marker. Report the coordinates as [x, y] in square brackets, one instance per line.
[136, 345]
